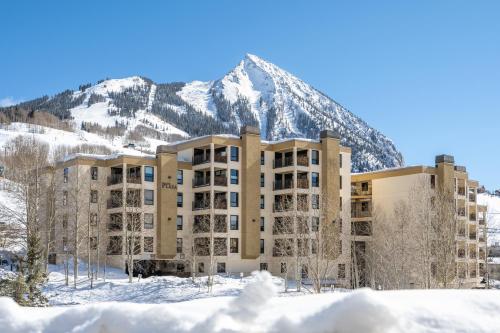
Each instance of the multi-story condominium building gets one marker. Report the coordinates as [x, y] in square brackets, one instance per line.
[232, 203]
[374, 201]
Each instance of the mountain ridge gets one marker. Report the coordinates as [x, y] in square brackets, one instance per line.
[255, 92]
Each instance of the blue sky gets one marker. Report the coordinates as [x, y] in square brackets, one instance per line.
[425, 73]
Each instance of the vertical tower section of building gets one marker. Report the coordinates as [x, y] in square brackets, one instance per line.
[166, 231]
[445, 166]
[250, 192]
[330, 173]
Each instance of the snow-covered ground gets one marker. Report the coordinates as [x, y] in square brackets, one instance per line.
[255, 307]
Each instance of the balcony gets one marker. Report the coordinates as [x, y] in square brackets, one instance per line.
[220, 204]
[472, 198]
[472, 217]
[481, 239]
[472, 236]
[280, 185]
[303, 183]
[219, 158]
[280, 207]
[461, 212]
[360, 214]
[472, 254]
[481, 221]
[461, 253]
[461, 232]
[115, 179]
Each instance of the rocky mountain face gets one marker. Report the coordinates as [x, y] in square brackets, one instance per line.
[255, 92]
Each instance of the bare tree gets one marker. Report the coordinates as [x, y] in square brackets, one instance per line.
[133, 228]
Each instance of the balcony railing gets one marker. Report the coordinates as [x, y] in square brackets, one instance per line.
[220, 181]
[472, 236]
[282, 185]
[303, 183]
[279, 207]
[220, 204]
[133, 180]
[303, 160]
[360, 213]
[113, 203]
[201, 204]
[283, 162]
[115, 179]
[200, 159]
[200, 182]
[220, 158]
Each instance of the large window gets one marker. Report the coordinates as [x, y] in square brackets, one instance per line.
[234, 199]
[180, 199]
[262, 223]
[234, 222]
[93, 173]
[315, 179]
[315, 223]
[115, 245]
[262, 180]
[262, 202]
[115, 222]
[179, 222]
[262, 158]
[234, 154]
[234, 177]
[315, 157]
[148, 244]
[149, 197]
[221, 267]
[148, 221]
[149, 174]
[315, 201]
[233, 245]
[261, 246]
[180, 177]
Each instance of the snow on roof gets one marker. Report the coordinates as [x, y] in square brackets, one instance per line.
[103, 157]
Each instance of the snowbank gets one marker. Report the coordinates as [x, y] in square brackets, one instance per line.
[257, 310]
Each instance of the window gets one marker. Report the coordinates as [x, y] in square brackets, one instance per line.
[262, 158]
[148, 221]
[315, 157]
[115, 222]
[93, 173]
[262, 180]
[148, 244]
[93, 219]
[340, 182]
[148, 197]
[234, 177]
[340, 202]
[93, 196]
[283, 267]
[179, 245]
[65, 198]
[233, 222]
[340, 246]
[261, 246]
[262, 202]
[341, 271]
[364, 186]
[263, 266]
[65, 221]
[340, 160]
[234, 154]
[433, 181]
[180, 177]
[364, 206]
[115, 245]
[149, 174]
[221, 266]
[262, 223]
[93, 243]
[180, 199]
[233, 245]
[315, 201]
[315, 223]
[179, 222]
[65, 175]
[201, 267]
[234, 199]
[315, 179]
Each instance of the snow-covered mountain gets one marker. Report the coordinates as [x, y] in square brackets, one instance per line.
[255, 92]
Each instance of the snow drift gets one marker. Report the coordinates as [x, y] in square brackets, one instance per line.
[258, 309]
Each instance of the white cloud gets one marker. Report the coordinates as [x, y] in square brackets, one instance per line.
[8, 101]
